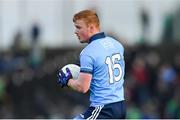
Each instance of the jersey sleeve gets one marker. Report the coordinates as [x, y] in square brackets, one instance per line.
[86, 63]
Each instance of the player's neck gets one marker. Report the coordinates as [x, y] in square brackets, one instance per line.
[95, 32]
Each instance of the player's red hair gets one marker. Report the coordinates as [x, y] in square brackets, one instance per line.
[88, 16]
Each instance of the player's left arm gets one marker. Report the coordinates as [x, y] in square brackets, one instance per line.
[82, 84]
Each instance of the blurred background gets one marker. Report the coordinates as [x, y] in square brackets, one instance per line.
[37, 38]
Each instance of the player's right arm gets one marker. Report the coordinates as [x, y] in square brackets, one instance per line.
[82, 84]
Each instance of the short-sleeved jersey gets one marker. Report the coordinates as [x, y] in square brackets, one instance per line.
[103, 57]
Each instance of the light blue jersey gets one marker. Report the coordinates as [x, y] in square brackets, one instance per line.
[103, 57]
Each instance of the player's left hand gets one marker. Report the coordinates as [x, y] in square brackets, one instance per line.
[64, 78]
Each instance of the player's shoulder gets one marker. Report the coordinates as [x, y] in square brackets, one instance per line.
[87, 50]
[115, 41]
[111, 41]
[90, 48]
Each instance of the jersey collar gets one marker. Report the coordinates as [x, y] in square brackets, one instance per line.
[97, 36]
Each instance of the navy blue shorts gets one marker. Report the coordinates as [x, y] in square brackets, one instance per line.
[115, 110]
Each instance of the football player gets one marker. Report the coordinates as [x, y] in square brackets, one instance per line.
[101, 69]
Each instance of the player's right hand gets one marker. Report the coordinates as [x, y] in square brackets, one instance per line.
[64, 78]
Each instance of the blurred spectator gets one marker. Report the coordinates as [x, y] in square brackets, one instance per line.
[176, 25]
[18, 47]
[176, 62]
[167, 74]
[36, 52]
[153, 60]
[141, 76]
[149, 109]
[9, 63]
[165, 88]
[172, 110]
[2, 87]
[17, 42]
[145, 24]
[35, 32]
[133, 112]
[168, 29]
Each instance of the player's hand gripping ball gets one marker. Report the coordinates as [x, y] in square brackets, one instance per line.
[74, 69]
[67, 72]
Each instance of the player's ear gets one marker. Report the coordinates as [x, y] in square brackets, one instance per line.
[91, 28]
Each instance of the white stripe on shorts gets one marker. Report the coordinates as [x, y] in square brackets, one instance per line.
[95, 113]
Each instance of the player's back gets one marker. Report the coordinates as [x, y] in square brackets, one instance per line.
[107, 72]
